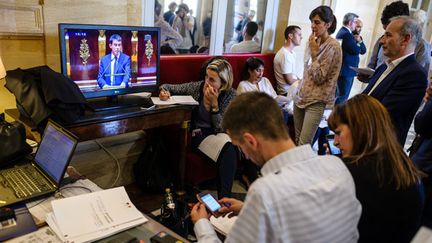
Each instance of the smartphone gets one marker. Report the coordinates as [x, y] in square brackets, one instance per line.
[332, 148]
[209, 201]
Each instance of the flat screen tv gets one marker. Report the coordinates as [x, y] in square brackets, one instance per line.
[110, 60]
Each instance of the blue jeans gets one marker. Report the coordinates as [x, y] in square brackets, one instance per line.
[343, 89]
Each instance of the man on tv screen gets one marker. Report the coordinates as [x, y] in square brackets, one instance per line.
[114, 69]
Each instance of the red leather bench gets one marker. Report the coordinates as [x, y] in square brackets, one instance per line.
[186, 68]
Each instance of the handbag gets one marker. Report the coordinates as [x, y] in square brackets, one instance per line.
[13, 144]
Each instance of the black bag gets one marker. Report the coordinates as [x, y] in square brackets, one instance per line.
[13, 144]
[153, 170]
[42, 93]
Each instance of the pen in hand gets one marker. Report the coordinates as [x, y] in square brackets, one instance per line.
[164, 94]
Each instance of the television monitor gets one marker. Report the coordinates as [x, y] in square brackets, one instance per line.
[110, 60]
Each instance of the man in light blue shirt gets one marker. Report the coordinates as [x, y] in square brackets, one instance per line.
[301, 197]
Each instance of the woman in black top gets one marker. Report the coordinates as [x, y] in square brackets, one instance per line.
[387, 182]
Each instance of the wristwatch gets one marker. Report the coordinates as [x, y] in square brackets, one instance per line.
[214, 110]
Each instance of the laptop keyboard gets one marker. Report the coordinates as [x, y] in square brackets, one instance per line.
[25, 181]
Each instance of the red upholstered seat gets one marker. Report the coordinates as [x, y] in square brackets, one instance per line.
[177, 69]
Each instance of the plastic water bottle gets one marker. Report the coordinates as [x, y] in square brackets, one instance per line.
[169, 201]
[169, 216]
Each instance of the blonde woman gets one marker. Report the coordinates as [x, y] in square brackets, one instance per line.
[214, 95]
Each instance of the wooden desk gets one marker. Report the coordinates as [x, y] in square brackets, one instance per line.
[95, 125]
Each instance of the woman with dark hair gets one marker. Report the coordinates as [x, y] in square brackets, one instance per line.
[318, 87]
[214, 94]
[254, 81]
[387, 182]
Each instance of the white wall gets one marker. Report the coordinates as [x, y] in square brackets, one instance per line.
[299, 15]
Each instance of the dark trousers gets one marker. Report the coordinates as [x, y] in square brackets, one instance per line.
[226, 163]
[320, 135]
[343, 89]
[427, 211]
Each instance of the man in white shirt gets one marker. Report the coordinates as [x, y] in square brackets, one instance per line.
[285, 60]
[301, 197]
[248, 44]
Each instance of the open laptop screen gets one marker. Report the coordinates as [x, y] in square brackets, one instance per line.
[54, 152]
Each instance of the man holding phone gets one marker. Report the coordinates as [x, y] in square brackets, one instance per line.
[301, 197]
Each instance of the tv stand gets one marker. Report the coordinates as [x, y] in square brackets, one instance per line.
[118, 102]
[94, 125]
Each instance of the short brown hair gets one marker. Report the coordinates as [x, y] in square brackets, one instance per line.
[255, 112]
[373, 135]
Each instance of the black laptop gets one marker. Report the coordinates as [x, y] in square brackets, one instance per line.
[41, 176]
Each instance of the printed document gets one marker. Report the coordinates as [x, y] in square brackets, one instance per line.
[40, 208]
[176, 100]
[93, 216]
[213, 144]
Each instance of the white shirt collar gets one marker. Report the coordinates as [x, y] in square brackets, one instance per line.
[396, 62]
[113, 56]
[347, 28]
[288, 157]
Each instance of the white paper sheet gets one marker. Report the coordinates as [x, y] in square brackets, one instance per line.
[364, 71]
[96, 214]
[42, 235]
[213, 144]
[176, 99]
[223, 224]
[39, 209]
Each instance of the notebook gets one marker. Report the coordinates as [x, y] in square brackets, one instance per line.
[41, 176]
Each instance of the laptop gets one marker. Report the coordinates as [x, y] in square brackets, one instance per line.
[41, 176]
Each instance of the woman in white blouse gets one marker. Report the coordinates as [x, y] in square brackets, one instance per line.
[254, 71]
[255, 81]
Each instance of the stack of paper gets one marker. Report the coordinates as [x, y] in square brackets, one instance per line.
[176, 99]
[93, 216]
[40, 208]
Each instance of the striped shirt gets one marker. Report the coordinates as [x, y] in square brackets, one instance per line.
[302, 197]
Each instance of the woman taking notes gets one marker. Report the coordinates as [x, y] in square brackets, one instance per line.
[214, 95]
[386, 180]
[318, 87]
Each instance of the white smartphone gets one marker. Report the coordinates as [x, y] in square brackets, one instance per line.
[209, 201]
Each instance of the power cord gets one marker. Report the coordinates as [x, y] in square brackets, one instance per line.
[59, 195]
[114, 158]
